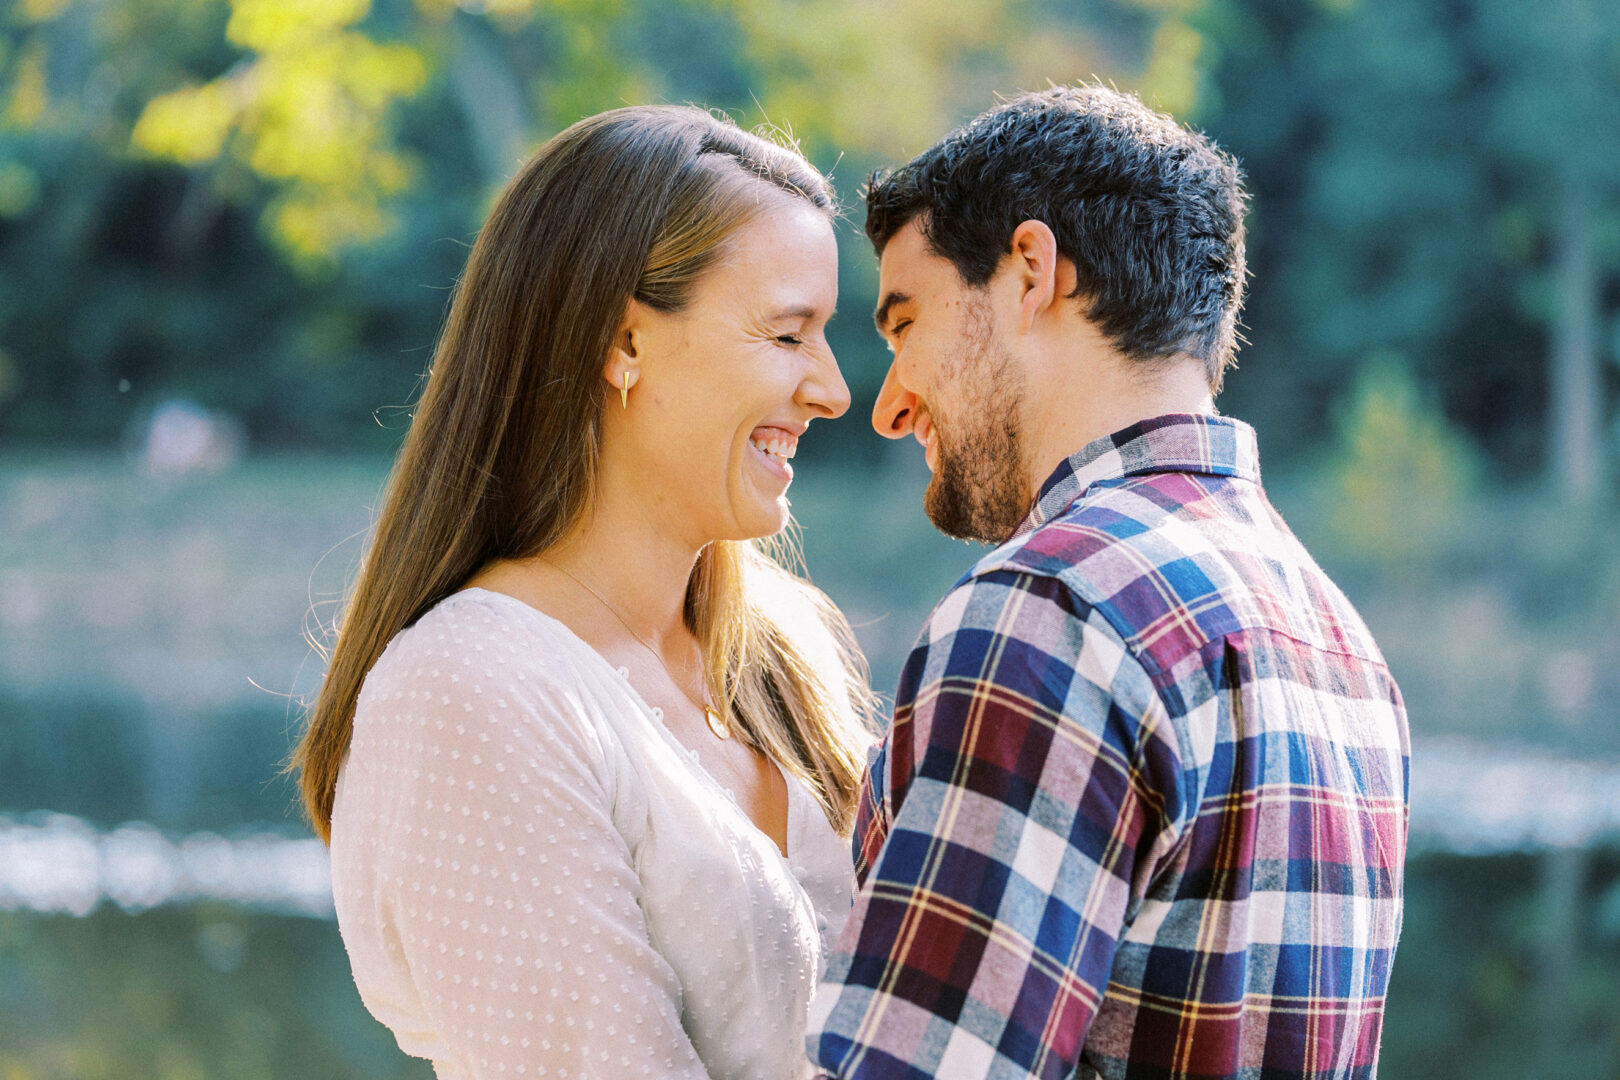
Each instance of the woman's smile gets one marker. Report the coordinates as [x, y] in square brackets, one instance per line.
[775, 447]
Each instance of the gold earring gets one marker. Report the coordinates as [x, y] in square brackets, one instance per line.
[624, 391]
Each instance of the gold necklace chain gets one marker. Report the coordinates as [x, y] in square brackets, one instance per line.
[710, 716]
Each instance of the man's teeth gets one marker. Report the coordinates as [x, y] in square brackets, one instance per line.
[782, 449]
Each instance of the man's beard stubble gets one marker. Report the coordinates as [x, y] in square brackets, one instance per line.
[977, 492]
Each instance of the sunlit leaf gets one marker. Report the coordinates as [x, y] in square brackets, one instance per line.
[310, 111]
[189, 125]
[270, 25]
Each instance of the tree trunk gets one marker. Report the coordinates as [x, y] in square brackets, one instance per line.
[1575, 406]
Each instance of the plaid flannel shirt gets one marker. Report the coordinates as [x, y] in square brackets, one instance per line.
[1142, 810]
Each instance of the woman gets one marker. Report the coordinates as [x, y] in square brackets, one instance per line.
[585, 810]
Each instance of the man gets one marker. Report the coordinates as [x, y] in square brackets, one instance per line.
[1142, 811]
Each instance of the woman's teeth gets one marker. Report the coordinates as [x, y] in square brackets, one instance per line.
[781, 449]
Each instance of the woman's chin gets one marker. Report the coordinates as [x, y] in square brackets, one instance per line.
[760, 519]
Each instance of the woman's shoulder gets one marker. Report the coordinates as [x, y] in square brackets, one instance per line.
[478, 628]
[482, 652]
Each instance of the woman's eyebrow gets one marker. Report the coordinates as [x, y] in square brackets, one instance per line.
[799, 313]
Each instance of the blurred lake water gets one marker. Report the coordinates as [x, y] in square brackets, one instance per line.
[56, 863]
[1467, 799]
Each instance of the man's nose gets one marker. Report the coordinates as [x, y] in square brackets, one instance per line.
[896, 408]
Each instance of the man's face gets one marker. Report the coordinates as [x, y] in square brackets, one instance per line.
[954, 388]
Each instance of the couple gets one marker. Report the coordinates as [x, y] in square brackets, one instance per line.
[591, 762]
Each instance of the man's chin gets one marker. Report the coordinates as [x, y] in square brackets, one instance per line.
[954, 512]
[986, 513]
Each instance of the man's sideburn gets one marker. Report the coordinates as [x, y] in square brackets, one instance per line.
[978, 490]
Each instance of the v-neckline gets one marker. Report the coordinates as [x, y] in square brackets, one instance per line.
[650, 714]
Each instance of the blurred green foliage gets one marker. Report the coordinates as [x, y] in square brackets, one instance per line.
[1394, 488]
[261, 205]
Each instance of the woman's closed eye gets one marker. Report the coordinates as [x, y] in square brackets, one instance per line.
[789, 339]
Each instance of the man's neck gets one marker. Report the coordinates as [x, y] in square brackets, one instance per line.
[1107, 397]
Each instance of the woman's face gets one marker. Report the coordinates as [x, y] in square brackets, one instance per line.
[725, 388]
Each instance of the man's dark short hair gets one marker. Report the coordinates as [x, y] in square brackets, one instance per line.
[1150, 213]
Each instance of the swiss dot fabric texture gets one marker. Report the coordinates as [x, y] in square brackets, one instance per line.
[533, 878]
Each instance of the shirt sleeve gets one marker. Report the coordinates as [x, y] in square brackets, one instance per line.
[502, 896]
[871, 822]
[1028, 785]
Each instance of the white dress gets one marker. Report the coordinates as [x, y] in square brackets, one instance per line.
[534, 878]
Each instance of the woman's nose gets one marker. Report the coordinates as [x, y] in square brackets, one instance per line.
[895, 409]
[824, 389]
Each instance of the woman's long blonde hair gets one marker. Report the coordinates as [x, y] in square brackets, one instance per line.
[502, 451]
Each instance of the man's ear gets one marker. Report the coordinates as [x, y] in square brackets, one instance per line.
[622, 367]
[1038, 272]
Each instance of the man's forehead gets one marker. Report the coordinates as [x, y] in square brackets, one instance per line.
[906, 269]
[906, 252]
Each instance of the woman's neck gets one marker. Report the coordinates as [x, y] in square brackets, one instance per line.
[631, 560]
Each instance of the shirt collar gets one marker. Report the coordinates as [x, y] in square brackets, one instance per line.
[1179, 442]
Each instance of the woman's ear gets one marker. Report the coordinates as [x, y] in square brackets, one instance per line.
[622, 368]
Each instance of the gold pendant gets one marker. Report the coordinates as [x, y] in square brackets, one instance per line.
[716, 725]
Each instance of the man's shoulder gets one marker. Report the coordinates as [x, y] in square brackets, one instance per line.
[1071, 564]
[1176, 561]
[1144, 519]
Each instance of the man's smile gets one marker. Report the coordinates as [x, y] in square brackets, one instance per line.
[922, 429]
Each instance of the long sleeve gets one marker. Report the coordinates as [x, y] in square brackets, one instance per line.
[1026, 788]
[488, 901]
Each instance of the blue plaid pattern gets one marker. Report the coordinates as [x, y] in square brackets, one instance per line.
[1142, 810]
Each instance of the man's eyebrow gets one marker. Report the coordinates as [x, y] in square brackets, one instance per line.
[881, 315]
